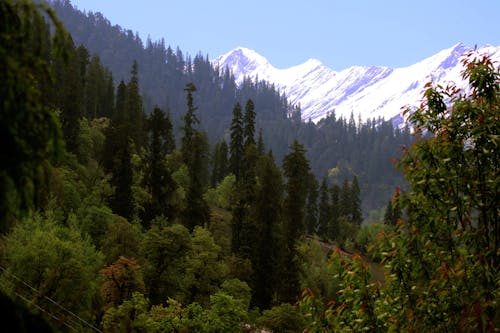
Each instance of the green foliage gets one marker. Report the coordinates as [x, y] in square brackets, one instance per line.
[93, 221]
[239, 290]
[224, 314]
[130, 316]
[29, 130]
[367, 239]
[356, 305]
[442, 260]
[204, 269]
[346, 233]
[56, 261]
[91, 138]
[221, 196]
[164, 249]
[451, 235]
[314, 272]
[282, 318]
[121, 239]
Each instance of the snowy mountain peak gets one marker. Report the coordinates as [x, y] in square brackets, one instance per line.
[242, 59]
[367, 91]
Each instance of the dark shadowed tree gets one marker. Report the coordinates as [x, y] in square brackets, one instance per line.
[195, 155]
[236, 146]
[158, 179]
[296, 170]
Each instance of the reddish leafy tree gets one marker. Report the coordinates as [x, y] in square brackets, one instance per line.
[121, 279]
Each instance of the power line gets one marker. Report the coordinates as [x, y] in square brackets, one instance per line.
[72, 315]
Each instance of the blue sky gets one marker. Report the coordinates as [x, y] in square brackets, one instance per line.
[340, 34]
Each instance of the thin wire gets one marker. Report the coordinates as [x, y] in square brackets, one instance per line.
[50, 300]
[40, 308]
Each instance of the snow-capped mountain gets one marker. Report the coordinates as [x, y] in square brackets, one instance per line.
[367, 91]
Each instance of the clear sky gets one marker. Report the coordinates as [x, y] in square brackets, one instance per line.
[339, 33]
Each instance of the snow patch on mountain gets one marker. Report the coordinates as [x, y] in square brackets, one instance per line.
[366, 91]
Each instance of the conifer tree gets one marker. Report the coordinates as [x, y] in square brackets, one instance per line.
[99, 90]
[345, 200]
[296, 170]
[356, 215]
[121, 96]
[236, 146]
[220, 163]
[158, 178]
[325, 211]
[122, 201]
[333, 225]
[190, 121]
[194, 152]
[312, 206]
[236, 163]
[134, 110]
[69, 92]
[268, 259]
[249, 124]
[260, 144]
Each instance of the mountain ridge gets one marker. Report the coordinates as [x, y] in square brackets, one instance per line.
[369, 92]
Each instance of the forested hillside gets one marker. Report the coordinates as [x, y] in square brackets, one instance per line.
[116, 218]
[344, 145]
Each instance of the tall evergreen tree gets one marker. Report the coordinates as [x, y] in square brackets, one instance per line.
[122, 201]
[345, 200]
[219, 163]
[236, 146]
[99, 90]
[312, 207]
[249, 124]
[333, 225]
[190, 122]
[134, 112]
[260, 144]
[158, 178]
[296, 170]
[356, 214]
[195, 154]
[121, 96]
[325, 211]
[69, 92]
[268, 259]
